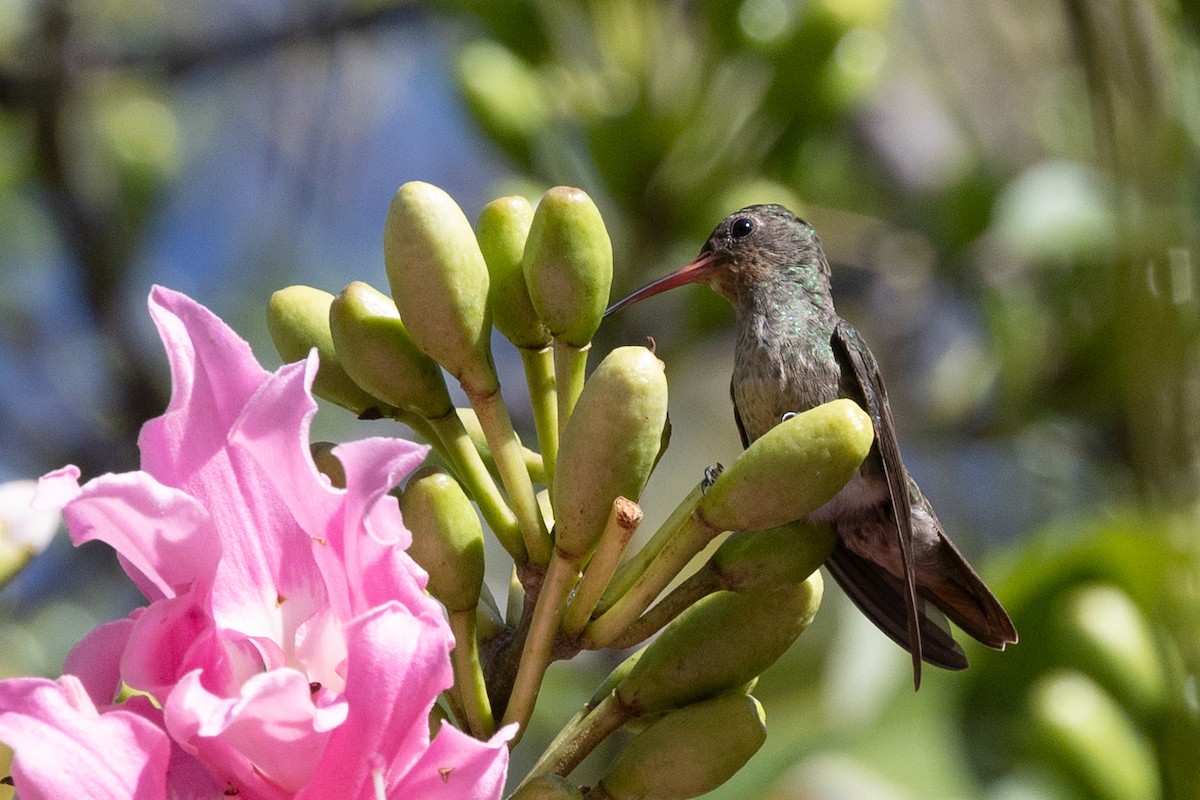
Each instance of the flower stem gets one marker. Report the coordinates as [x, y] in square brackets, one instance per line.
[473, 473]
[506, 450]
[543, 397]
[679, 599]
[468, 674]
[632, 569]
[622, 523]
[682, 544]
[587, 732]
[570, 367]
[539, 643]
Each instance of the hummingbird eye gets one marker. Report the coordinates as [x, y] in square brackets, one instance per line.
[742, 227]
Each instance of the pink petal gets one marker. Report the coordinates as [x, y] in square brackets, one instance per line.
[266, 740]
[96, 660]
[213, 375]
[168, 639]
[56, 489]
[162, 534]
[63, 748]
[459, 767]
[367, 548]
[397, 665]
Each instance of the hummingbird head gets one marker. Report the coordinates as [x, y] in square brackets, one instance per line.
[763, 248]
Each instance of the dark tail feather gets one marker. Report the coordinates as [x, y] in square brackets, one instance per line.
[881, 598]
[945, 577]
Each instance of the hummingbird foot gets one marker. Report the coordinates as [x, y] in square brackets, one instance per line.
[710, 477]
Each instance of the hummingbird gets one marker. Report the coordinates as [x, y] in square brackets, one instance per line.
[792, 353]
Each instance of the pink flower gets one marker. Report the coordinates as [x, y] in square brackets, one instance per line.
[288, 649]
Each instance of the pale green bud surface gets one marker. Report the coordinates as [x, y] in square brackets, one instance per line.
[377, 351]
[609, 446]
[688, 752]
[791, 470]
[440, 282]
[298, 320]
[327, 463]
[783, 555]
[568, 264]
[447, 538]
[721, 642]
[502, 230]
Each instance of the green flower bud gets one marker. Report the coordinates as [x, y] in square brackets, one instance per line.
[548, 787]
[447, 538]
[1107, 636]
[440, 283]
[377, 351]
[779, 556]
[568, 264]
[619, 673]
[327, 463]
[609, 446]
[502, 230]
[1083, 731]
[791, 470]
[298, 319]
[722, 642]
[688, 752]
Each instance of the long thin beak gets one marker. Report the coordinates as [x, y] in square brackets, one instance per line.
[697, 271]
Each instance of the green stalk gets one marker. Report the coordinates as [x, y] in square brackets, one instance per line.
[570, 368]
[632, 569]
[567, 752]
[622, 523]
[539, 375]
[682, 597]
[468, 674]
[682, 544]
[539, 643]
[460, 452]
[510, 462]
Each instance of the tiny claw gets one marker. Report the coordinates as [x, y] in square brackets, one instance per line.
[787, 416]
[710, 477]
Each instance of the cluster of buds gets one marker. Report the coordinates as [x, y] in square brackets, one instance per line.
[567, 512]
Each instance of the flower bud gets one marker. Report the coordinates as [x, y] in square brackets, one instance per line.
[1107, 636]
[377, 351]
[1083, 731]
[779, 556]
[447, 538]
[609, 446]
[721, 642]
[688, 752]
[548, 787]
[298, 319]
[618, 674]
[502, 230]
[568, 264]
[327, 463]
[791, 470]
[440, 283]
